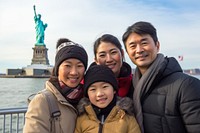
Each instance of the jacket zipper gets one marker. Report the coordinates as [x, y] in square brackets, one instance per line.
[101, 124]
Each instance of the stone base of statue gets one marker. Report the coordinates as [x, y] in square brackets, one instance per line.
[39, 67]
[40, 55]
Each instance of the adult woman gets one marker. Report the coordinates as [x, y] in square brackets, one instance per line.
[70, 64]
[108, 51]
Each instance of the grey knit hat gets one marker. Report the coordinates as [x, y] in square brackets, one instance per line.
[67, 49]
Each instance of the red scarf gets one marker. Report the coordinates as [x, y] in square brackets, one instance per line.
[124, 84]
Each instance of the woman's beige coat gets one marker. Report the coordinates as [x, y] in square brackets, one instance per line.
[37, 118]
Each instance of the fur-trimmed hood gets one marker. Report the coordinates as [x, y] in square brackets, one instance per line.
[124, 103]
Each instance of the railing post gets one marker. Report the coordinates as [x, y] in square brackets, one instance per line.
[17, 119]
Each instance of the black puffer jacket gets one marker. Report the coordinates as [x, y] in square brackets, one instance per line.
[172, 104]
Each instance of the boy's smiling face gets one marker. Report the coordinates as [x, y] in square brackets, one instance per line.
[101, 94]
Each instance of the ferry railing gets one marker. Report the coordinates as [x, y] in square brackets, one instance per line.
[12, 120]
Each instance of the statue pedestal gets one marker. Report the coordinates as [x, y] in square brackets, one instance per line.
[40, 55]
[40, 44]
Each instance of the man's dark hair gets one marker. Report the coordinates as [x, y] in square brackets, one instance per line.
[140, 28]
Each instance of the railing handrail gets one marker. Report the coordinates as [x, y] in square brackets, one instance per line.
[13, 110]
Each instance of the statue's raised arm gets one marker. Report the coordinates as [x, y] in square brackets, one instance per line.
[40, 28]
[34, 10]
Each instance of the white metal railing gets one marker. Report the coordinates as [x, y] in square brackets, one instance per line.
[12, 120]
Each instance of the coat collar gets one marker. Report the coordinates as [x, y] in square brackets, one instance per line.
[125, 104]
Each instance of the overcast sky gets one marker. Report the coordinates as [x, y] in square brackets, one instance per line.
[83, 21]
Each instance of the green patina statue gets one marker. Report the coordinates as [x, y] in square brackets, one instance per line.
[40, 28]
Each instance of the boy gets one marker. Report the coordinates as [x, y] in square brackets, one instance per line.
[101, 111]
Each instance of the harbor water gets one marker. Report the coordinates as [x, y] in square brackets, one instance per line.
[15, 91]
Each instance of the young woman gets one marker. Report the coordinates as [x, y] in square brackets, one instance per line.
[108, 51]
[70, 65]
[101, 111]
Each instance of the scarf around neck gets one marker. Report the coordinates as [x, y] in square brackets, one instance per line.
[142, 84]
[73, 95]
[124, 85]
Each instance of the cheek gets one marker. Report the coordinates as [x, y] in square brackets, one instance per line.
[100, 61]
[131, 56]
[82, 71]
[119, 58]
[91, 96]
[130, 53]
[62, 74]
[61, 70]
[154, 53]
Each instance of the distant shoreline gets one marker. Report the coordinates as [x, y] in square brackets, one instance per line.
[24, 76]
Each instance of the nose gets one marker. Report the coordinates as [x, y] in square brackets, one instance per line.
[109, 58]
[100, 93]
[73, 71]
[139, 49]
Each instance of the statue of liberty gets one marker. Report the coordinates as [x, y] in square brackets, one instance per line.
[40, 28]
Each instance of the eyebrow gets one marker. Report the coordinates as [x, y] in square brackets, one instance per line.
[143, 39]
[109, 50]
[70, 62]
[103, 83]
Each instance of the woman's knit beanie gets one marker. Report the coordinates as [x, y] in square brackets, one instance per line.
[67, 49]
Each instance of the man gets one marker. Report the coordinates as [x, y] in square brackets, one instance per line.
[166, 100]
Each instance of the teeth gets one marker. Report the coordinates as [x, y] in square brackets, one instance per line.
[110, 66]
[73, 78]
[101, 99]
